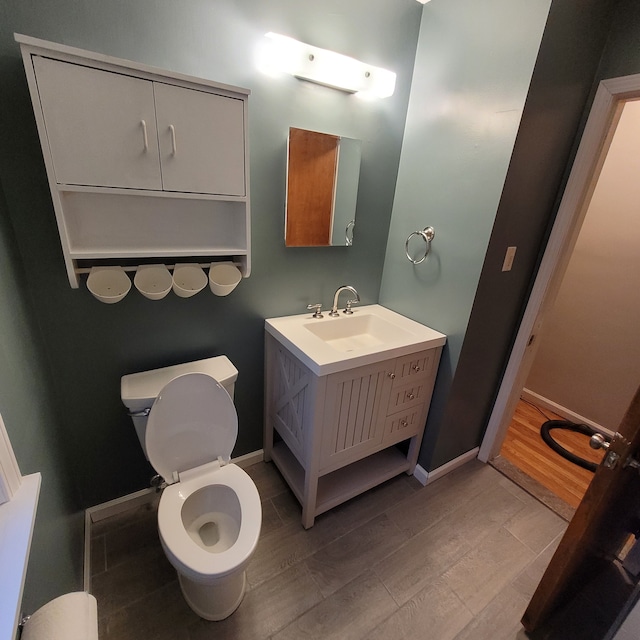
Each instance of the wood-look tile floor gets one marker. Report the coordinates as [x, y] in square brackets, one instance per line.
[458, 559]
[524, 447]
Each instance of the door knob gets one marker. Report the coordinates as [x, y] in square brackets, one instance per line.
[598, 441]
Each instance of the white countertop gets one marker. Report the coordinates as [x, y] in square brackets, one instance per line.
[294, 333]
[17, 518]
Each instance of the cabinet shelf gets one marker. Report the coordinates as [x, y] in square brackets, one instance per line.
[158, 252]
[147, 193]
[345, 483]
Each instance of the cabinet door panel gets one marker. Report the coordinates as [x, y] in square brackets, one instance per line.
[94, 121]
[201, 137]
[352, 426]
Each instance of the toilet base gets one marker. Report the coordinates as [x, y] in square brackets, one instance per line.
[214, 601]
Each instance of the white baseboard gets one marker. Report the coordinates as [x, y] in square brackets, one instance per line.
[124, 503]
[249, 458]
[118, 505]
[421, 475]
[567, 414]
[427, 477]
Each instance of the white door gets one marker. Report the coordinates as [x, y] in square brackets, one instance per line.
[100, 126]
[201, 137]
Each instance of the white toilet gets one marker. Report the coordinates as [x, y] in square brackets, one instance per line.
[209, 515]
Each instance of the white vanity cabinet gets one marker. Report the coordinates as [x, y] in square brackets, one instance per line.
[338, 431]
[142, 163]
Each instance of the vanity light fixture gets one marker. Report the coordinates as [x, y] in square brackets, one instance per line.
[325, 67]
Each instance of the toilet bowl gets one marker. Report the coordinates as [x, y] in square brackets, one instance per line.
[209, 515]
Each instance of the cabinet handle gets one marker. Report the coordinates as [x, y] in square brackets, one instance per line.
[404, 423]
[172, 129]
[392, 376]
[145, 139]
[410, 395]
[416, 367]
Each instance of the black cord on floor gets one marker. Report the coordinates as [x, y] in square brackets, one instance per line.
[538, 409]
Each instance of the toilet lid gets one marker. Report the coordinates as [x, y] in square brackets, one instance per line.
[191, 423]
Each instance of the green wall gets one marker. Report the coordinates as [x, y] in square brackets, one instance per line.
[473, 67]
[90, 345]
[34, 430]
[556, 106]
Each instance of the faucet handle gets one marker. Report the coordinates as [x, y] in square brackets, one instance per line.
[318, 309]
[348, 310]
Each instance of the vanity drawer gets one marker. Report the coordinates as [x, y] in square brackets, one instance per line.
[417, 366]
[403, 425]
[414, 393]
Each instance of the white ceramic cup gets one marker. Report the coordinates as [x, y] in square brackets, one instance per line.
[224, 278]
[153, 281]
[188, 279]
[108, 284]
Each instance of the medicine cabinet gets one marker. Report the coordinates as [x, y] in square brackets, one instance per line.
[142, 163]
[323, 171]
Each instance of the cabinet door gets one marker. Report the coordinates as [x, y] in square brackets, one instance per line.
[100, 126]
[201, 137]
[353, 427]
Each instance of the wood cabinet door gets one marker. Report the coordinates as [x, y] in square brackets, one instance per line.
[201, 138]
[100, 126]
[604, 521]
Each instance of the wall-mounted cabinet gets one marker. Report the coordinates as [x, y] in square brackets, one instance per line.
[142, 163]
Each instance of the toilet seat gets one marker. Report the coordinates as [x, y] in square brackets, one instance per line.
[190, 435]
[184, 554]
[193, 421]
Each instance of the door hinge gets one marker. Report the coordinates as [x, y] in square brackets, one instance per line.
[632, 462]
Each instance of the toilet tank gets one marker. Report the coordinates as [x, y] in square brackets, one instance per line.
[139, 390]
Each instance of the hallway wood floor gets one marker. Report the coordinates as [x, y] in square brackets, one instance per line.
[525, 448]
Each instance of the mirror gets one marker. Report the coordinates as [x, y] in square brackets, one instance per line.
[322, 188]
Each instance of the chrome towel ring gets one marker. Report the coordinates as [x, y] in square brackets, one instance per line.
[427, 234]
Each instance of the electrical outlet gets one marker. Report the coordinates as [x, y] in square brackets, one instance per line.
[508, 258]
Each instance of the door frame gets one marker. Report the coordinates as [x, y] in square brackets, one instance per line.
[611, 96]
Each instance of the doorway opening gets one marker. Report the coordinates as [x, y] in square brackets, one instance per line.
[584, 366]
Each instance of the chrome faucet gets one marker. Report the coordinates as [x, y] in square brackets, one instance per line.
[346, 287]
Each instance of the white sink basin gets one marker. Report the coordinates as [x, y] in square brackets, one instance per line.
[373, 333]
[358, 332]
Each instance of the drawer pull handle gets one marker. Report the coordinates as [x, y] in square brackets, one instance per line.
[392, 376]
[416, 368]
[410, 396]
[404, 423]
[145, 138]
